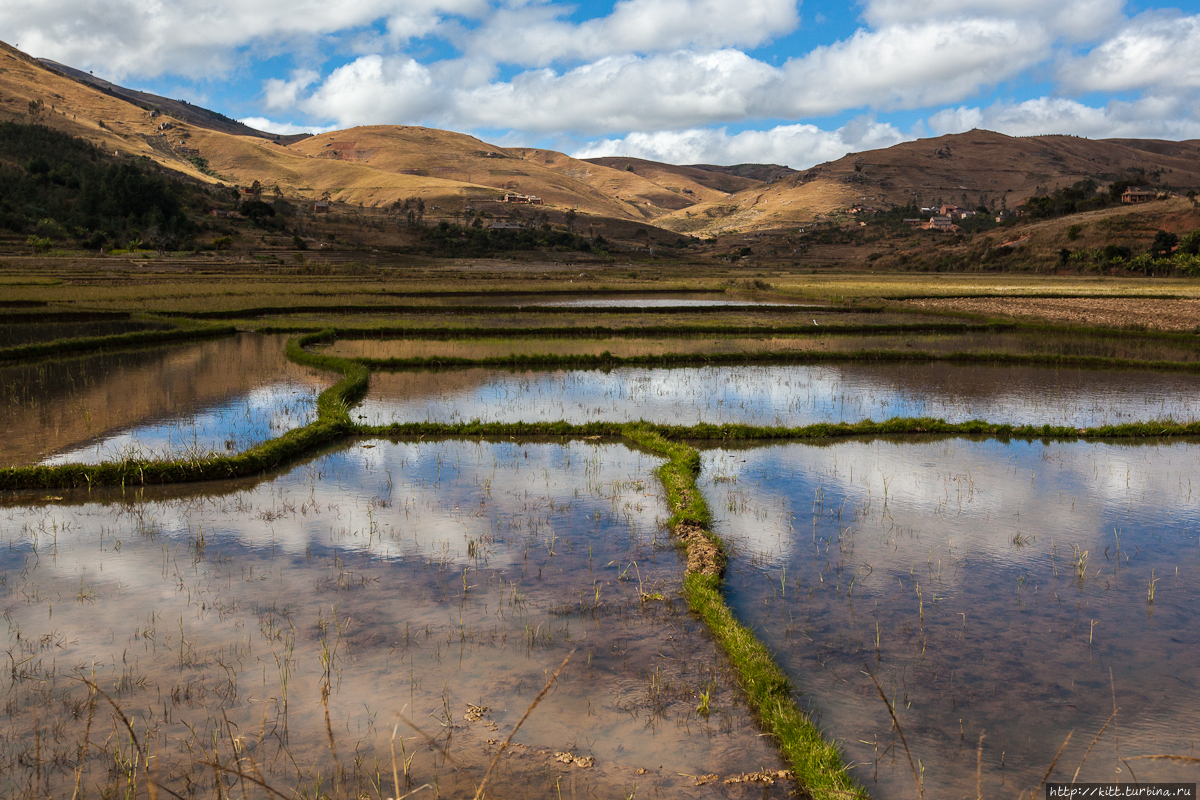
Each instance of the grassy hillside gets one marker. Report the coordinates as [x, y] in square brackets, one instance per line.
[968, 169]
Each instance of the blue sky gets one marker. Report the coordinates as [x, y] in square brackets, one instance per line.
[685, 81]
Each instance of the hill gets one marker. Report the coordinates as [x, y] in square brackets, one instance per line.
[178, 109]
[968, 169]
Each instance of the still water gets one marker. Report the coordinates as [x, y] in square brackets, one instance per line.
[788, 395]
[433, 586]
[1012, 590]
[176, 401]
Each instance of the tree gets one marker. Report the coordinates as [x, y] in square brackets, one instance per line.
[1163, 244]
[1191, 244]
[570, 217]
[257, 210]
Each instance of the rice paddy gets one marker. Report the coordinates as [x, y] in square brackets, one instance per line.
[783, 395]
[467, 555]
[167, 402]
[1019, 590]
[285, 627]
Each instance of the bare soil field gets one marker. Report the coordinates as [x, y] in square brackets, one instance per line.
[1113, 312]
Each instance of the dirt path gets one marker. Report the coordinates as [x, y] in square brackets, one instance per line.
[1166, 315]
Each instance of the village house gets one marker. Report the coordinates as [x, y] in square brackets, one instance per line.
[1138, 194]
[513, 197]
[321, 207]
[956, 212]
[941, 223]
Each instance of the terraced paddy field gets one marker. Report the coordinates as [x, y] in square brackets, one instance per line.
[912, 557]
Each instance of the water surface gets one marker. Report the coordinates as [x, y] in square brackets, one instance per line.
[995, 589]
[183, 400]
[788, 395]
[407, 583]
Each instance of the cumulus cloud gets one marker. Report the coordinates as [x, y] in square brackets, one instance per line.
[904, 67]
[1072, 20]
[1159, 50]
[797, 146]
[1154, 117]
[373, 89]
[536, 34]
[282, 128]
[910, 66]
[192, 37]
[623, 93]
[279, 93]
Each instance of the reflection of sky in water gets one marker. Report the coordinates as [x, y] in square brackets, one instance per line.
[462, 571]
[960, 556]
[796, 395]
[237, 424]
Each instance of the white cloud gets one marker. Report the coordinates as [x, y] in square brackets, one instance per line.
[1156, 117]
[197, 38]
[375, 89]
[903, 67]
[282, 128]
[623, 93]
[1156, 50]
[279, 93]
[535, 34]
[910, 66]
[797, 146]
[1073, 20]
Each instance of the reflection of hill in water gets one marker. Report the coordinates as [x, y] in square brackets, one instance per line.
[417, 385]
[1052, 389]
[58, 405]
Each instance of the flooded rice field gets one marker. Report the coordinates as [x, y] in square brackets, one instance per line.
[18, 333]
[672, 302]
[290, 625]
[788, 395]
[1020, 343]
[174, 401]
[1016, 591]
[467, 318]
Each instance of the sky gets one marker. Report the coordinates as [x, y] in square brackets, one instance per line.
[793, 82]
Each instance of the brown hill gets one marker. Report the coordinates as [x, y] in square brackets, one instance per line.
[178, 109]
[765, 173]
[968, 169]
[31, 93]
[717, 182]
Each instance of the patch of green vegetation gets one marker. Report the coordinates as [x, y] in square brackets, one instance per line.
[455, 241]
[459, 310]
[91, 344]
[66, 188]
[607, 360]
[678, 331]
